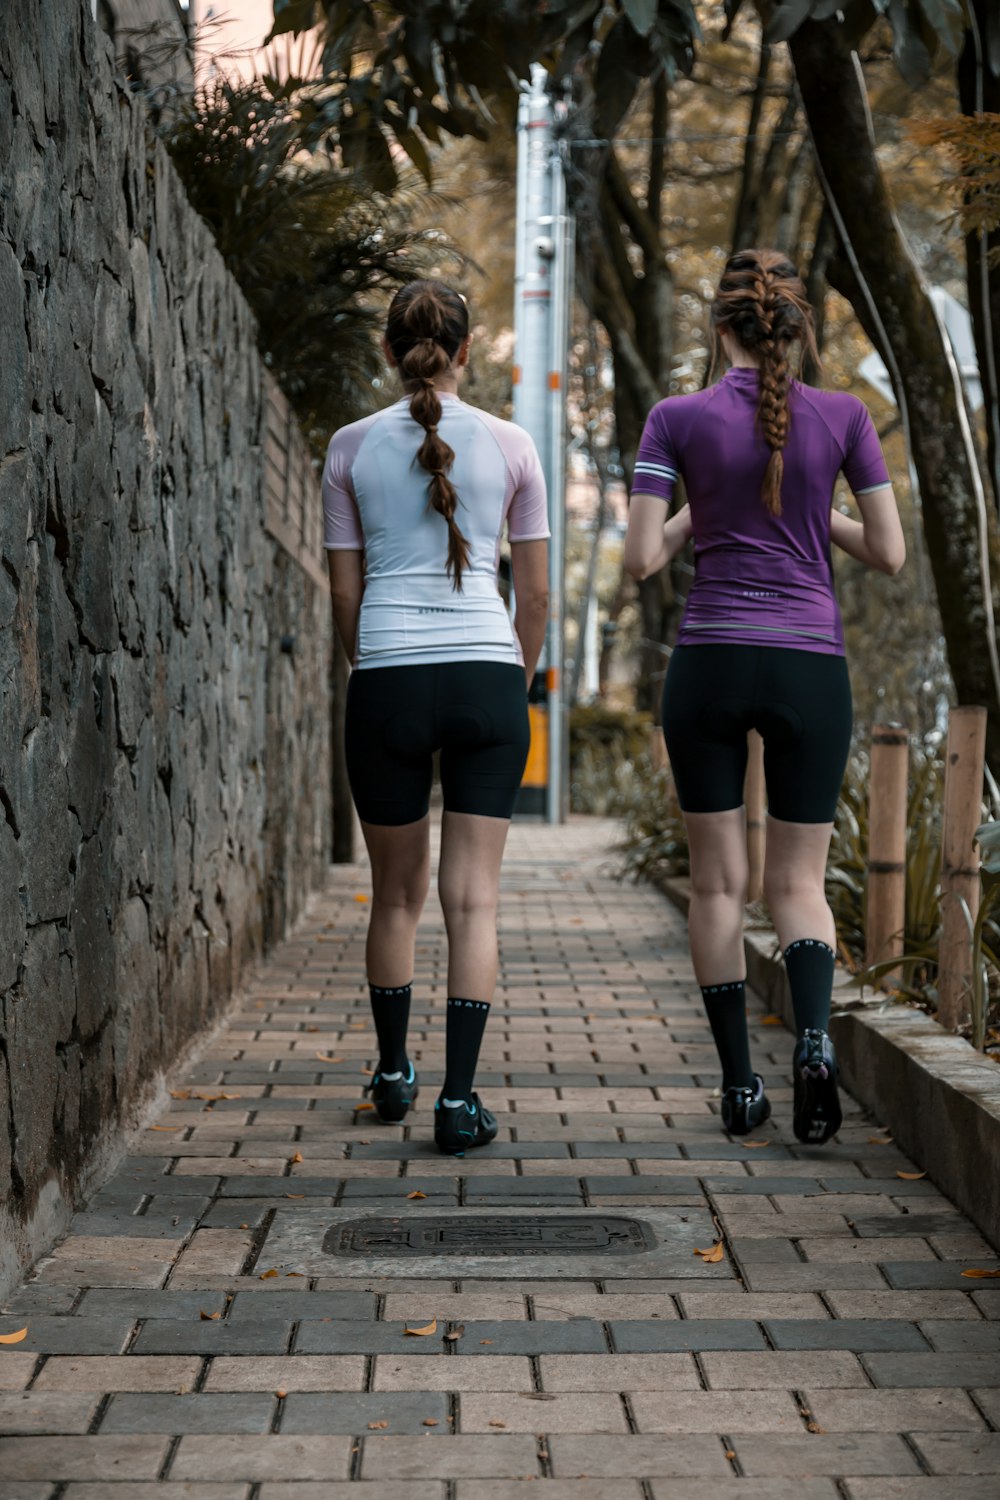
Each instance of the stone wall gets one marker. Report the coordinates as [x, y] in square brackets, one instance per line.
[164, 799]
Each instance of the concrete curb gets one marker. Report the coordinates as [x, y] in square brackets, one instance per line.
[938, 1096]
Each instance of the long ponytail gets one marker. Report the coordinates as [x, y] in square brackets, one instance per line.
[762, 302]
[427, 325]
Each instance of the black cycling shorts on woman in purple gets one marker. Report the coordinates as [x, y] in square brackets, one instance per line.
[761, 647]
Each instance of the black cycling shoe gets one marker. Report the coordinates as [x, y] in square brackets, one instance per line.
[743, 1109]
[816, 1112]
[393, 1096]
[457, 1127]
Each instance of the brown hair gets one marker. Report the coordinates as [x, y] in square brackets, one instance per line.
[762, 302]
[427, 325]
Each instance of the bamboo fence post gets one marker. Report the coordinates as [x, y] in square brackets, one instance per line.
[963, 796]
[753, 796]
[885, 903]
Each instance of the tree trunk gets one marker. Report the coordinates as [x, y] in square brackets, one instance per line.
[960, 527]
[978, 91]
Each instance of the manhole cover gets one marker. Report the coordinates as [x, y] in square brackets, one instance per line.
[507, 1235]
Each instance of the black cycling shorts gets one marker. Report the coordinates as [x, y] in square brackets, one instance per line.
[799, 701]
[474, 712]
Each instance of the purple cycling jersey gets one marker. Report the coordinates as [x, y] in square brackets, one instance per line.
[759, 579]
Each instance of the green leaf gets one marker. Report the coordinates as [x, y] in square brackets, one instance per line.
[642, 14]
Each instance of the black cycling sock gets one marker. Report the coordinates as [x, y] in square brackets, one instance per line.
[726, 1005]
[391, 1011]
[463, 1037]
[809, 965]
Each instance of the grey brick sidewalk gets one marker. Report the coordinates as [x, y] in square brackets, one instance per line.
[211, 1329]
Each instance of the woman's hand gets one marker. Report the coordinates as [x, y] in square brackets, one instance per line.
[651, 540]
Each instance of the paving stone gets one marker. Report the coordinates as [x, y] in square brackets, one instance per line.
[40, 1411]
[501, 1455]
[958, 1453]
[847, 1248]
[933, 1369]
[354, 1489]
[420, 1306]
[706, 1333]
[618, 1372]
[401, 1412]
[297, 1305]
[478, 1338]
[16, 1370]
[961, 1337]
[276, 1456]
[780, 1369]
[932, 1410]
[246, 1412]
[920, 1487]
[529, 1411]
[455, 1372]
[721, 1411]
[51, 1334]
[211, 1252]
[104, 1458]
[845, 1333]
[641, 1455]
[106, 1373]
[156, 1490]
[753, 1305]
[41, 1299]
[103, 1302]
[837, 1454]
[750, 1489]
[278, 1372]
[548, 1489]
[18, 1491]
[811, 1277]
[163, 1336]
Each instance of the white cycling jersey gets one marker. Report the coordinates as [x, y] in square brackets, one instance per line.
[375, 499]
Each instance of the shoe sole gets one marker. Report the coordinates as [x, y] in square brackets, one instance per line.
[751, 1124]
[818, 1115]
[447, 1150]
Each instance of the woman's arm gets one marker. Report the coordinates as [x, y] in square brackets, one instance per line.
[877, 539]
[347, 584]
[651, 540]
[529, 565]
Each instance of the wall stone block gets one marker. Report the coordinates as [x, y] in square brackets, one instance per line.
[164, 813]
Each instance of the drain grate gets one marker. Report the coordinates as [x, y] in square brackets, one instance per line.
[526, 1234]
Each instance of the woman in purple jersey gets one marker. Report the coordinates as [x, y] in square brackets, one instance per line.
[761, 647]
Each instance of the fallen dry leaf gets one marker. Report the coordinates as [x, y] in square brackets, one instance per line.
[770, 1021]
[430, 1327]
[359, 1107]
[180, 1093]
[495, 1422]
[416, 1194]
[295, 1195]
[368, 1072]
[297, 1157]
[911, 1176]
[377, 1426]
[880, 1140]
[281, 1395]
[486, 1341]
[712, 1256]
[322, 1057]
[429, 1422]
[266, 1275]
[814, 1427]
[977, 1273]
[360, 898]
[171, 1128]
[730, 1453]
[14, 1338]
[754, 1145]
[211, 1098]
[208, 1317]
[456, 1333]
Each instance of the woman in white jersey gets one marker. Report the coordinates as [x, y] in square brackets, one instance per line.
[415, 500]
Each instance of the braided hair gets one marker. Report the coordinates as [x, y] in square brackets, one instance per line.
[426, 327]
[762, 302]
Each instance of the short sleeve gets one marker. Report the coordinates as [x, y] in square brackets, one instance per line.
[528, 513]
[655, 471]
[341, 522]
[864, 465]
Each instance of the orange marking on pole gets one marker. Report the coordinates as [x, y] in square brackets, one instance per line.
[515, 375]
[554, 381]
[552, 680]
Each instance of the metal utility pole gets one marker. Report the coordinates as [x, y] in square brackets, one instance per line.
[543, 280]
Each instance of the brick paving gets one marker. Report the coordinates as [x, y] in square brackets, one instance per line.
[200, 1334]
